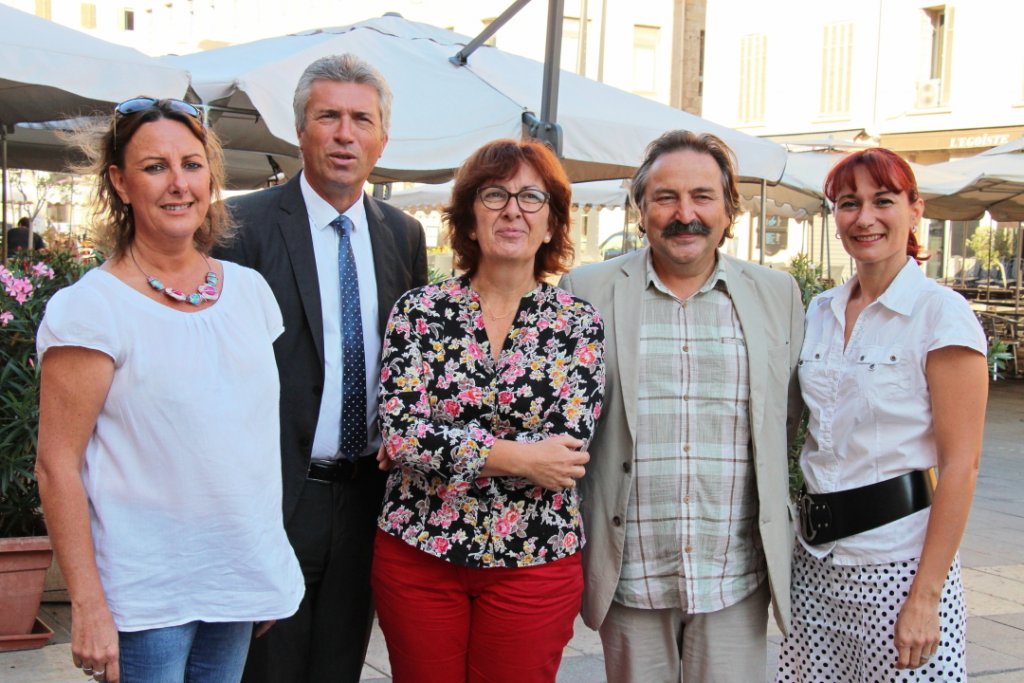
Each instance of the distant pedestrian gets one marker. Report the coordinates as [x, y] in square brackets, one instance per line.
[893, 374]
[17, 238]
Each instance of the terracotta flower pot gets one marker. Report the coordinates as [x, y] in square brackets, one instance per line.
[23, 565]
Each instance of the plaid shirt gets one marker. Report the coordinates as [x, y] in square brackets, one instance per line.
[691, 533]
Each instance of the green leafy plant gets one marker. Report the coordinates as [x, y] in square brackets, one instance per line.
[809, 277]
[998, 354]
[437, 275]
[26, 284]
[991, 245]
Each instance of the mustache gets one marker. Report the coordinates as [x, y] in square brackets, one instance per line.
[694, 227]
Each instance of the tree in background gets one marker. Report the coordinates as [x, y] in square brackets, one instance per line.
[991, 245]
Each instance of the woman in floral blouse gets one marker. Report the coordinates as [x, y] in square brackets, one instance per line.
[491, 385]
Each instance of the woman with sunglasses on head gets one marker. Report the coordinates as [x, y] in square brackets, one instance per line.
[158, 458]
[491, 384]
[893, 374]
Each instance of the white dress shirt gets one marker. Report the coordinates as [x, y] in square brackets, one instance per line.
[870, 410]
[325, 248]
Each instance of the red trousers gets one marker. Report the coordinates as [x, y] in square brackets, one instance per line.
[445, 623]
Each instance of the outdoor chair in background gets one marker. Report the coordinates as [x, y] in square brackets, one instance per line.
[1007, 331]
[991, 277]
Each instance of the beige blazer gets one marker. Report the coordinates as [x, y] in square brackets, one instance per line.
[770, 311]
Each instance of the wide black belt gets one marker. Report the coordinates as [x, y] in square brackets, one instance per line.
[827, 517]
[342, 469]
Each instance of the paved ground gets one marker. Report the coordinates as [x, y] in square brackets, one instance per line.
[992, 554]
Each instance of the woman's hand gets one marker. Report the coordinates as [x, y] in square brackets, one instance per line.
[261, 627]
[94, 647]
[555, 463]
[917, 631]
[384, 461]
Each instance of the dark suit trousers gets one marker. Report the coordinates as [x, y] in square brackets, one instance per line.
[332, 532]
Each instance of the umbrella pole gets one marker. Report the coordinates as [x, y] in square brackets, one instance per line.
[761, 227]
[824, 232]
[963, 250]
[828, 258]
[989, 266]
[3, 175]
[1016, 269]
[552, 62]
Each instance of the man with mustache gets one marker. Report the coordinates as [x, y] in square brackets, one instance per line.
[336, 260]
[685, 499]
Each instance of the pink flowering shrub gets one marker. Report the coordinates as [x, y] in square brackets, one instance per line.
[26, 283]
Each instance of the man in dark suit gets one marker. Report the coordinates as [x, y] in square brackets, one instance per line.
[337, 260]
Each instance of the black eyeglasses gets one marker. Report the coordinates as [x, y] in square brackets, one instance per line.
[529, 200]
[137, 104]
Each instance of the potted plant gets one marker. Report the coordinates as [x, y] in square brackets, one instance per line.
[26, 284]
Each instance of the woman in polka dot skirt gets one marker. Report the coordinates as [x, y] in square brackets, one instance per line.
[893, 374]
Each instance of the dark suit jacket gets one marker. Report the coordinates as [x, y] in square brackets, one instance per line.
[274, 239]
[17, 238]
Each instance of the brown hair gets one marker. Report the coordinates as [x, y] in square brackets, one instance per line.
[105, 146]
[888, 170]
[498, 160]
[704, 143]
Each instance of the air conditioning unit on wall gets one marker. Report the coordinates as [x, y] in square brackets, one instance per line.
[929, 94]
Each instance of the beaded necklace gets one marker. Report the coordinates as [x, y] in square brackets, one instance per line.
[206, 291]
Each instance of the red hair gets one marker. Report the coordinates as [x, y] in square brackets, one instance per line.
[888, 170]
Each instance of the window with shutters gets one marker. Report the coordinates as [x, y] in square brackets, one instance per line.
[836, 69]
[570, 43]
[645, 51]
[88, 15]
[753, 53]
[44, 9]
[128, 20]
[934, 89]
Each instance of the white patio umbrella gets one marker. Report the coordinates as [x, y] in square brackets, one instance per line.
[442, 112]
[48, 72]
[799, 194]
[992, 181]
[37, 146]
[974, 185]
[600, 194]
[1011, 146]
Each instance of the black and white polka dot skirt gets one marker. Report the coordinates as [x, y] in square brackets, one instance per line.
[843, 622]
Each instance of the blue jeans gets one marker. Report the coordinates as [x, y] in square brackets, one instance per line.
[196, 652]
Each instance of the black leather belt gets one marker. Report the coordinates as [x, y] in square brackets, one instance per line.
[342, 469]
[827, 517]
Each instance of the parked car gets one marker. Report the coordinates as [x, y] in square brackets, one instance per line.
[620, 243]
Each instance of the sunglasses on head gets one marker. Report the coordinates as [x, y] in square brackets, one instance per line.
[137, 104]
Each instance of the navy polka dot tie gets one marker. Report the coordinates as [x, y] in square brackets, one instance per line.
[352, 441]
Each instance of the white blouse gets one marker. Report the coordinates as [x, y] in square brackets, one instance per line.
[870, 411]
[183, 470]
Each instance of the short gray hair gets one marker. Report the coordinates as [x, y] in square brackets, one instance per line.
[704, 143]
[346, 68]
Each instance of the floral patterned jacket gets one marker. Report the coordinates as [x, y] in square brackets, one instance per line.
[444, 401]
